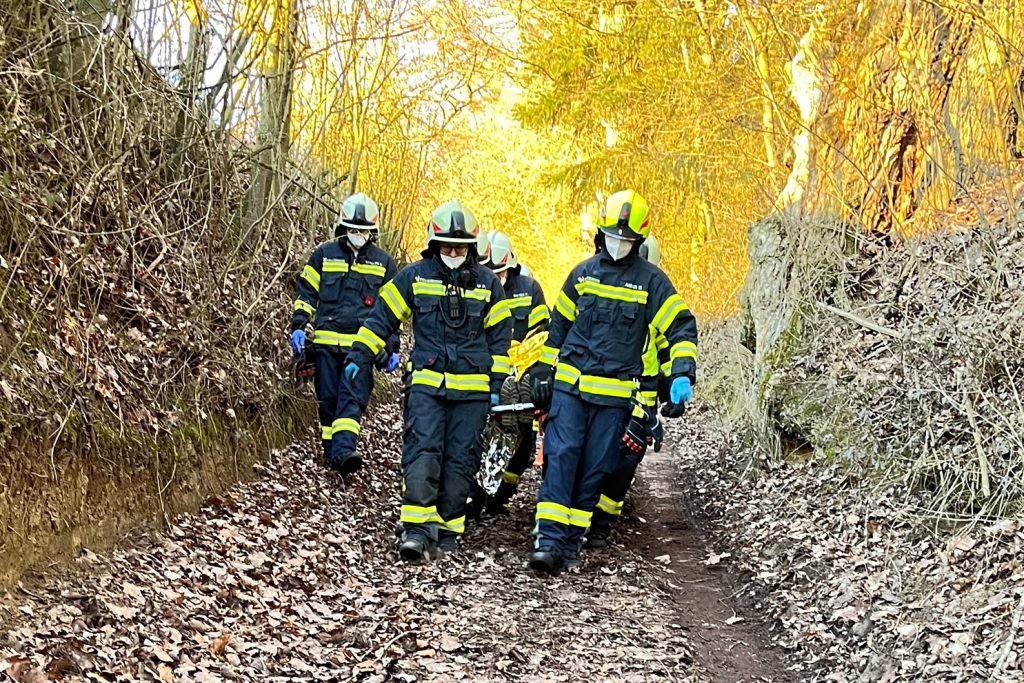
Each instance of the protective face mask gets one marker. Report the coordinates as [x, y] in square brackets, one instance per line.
[357, 240]
[503, 276]
[453, 262]
[617, 247]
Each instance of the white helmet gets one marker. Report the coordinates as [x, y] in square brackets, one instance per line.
[452, 223]
[358, 211]
[502, 256]
[650, 250]
[483, 247]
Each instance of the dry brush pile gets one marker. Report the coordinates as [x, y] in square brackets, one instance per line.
[137, 366]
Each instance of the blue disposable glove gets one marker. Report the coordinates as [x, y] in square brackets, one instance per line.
[351, 370]
[298, 340]
[681, 391]
[495, 399]
[393, 362]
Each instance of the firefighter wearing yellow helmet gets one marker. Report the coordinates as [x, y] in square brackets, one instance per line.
[461, 326]
[590, 368]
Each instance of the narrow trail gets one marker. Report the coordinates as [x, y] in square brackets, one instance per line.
[294, 577]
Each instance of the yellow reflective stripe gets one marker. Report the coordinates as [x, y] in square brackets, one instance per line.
[549, 355]
[333, 338]
[659, 340]
[606, 386]
[370, 339]
[594, 384]
[467, 382]
[457, 525]
[427, 378]
[500, 365]
[310, 275]
[638, 296]
[345, 424]
[538, 315]
[666, 368]
[326, 433]
[428, 288]
[332, 265]
[498, 312]
[368, 269]
[566, 373]
[638, 411]
[520, 301]
[395, 301]
[566, 306]
[649, 398]
[666, 315]
[552, 512]
[684, 349]
[580, 518]
[612, 507]
[301, 305]
[415, 514]
[510, 478]
[478, 294]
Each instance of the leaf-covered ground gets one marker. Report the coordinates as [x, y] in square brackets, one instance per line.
[294, 577]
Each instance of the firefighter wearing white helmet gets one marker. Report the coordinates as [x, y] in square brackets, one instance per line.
[530, 315]
[336, 291]
[461, 326]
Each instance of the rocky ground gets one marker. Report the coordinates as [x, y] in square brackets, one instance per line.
[294, 577]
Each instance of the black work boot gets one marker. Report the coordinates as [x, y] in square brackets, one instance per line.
[597, 534]
[546, 559]
[413, 548]
[347, 463]
[447, 542]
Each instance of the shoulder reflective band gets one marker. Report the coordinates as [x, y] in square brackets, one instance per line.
[310, 275]
[566, 306]
[395, 301]
[428, 288]
[478, 294]
[638, 296]
[519, 302]
[666, 315]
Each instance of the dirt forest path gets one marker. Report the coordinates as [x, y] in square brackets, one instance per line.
[293, 577]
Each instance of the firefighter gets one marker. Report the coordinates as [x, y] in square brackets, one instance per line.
[337, 290]
[644, 427]
[462, 327]
[529, 316]
[590, 367]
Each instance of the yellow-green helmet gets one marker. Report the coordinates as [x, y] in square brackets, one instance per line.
[452, 223]
[625, 214]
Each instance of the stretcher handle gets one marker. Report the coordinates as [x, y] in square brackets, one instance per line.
[512, 408]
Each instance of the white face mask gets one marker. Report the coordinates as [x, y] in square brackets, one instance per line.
[356, 239]
[453, 262]
[503, 276]
[617, 247]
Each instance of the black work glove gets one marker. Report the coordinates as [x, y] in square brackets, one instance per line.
[673, 410]
[636, 437]
[543, 382]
